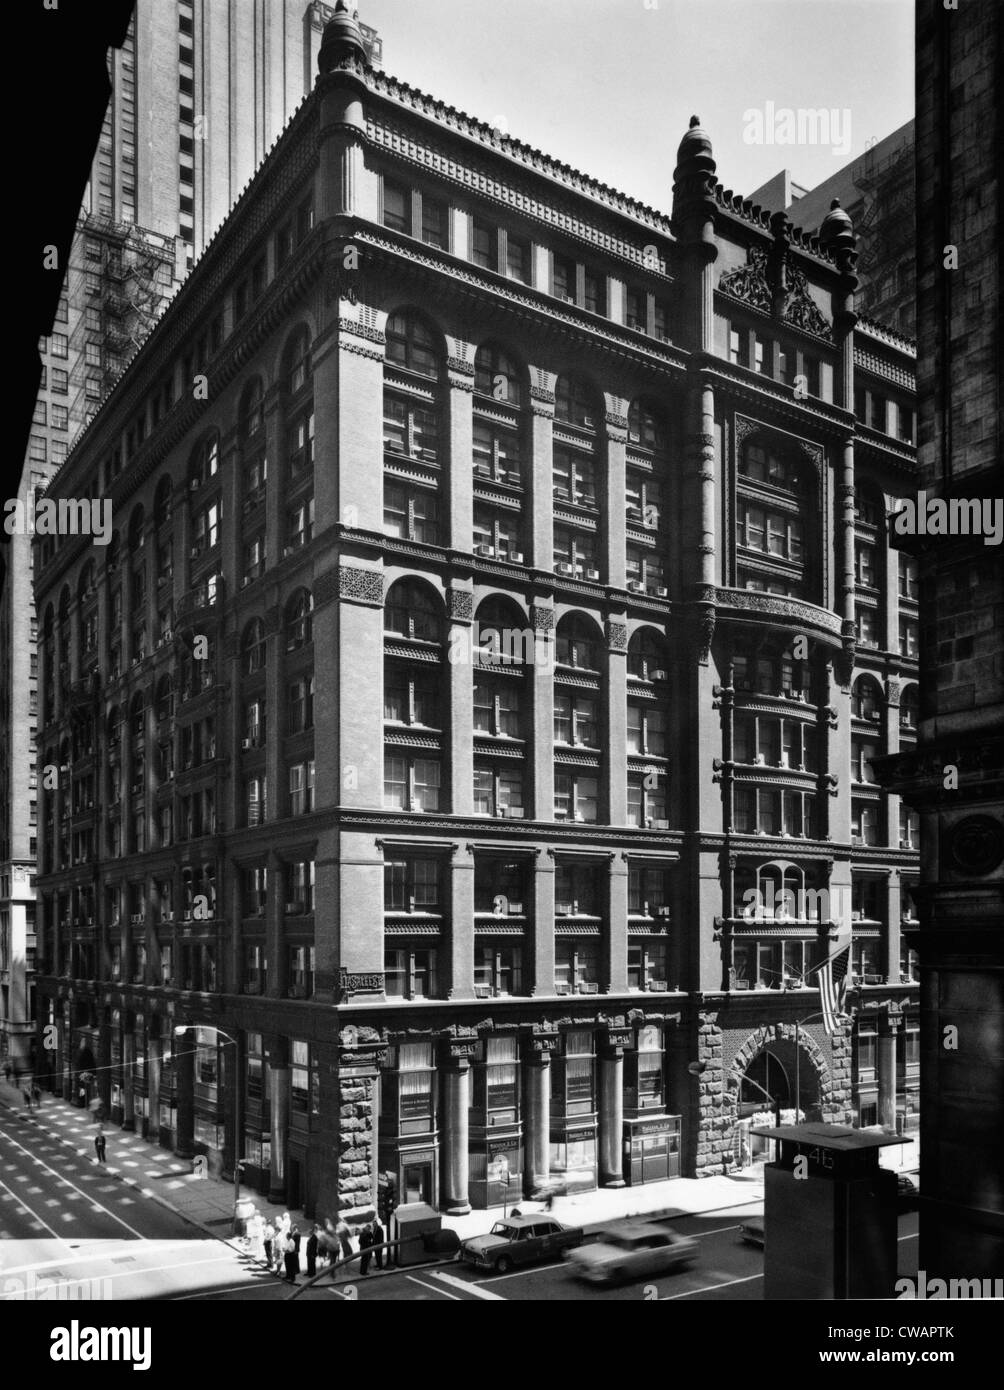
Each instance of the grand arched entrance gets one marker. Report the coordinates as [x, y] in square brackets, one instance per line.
[767, 1073]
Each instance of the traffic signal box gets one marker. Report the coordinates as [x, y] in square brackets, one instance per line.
[829, 1214]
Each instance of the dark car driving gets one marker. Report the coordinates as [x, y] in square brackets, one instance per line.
[520, 1240]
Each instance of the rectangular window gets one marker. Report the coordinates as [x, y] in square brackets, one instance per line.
[396, 207]
[484, 244]
[435, 223]
[564, 277]
[518, 258]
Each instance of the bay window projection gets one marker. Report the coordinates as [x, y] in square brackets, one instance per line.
[773, 515]
[413, 695]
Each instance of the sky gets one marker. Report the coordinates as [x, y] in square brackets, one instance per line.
[609, 86]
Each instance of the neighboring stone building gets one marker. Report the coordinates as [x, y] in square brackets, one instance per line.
[488, 618]
[877, 192]
[961, 942]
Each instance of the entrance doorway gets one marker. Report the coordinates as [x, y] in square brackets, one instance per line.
[417, 1184]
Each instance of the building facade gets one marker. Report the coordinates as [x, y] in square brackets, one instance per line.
[955, 776]
[473, 713]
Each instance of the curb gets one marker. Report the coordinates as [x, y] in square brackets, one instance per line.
[137, 1186]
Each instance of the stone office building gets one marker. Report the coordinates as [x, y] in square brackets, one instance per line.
[500, 593]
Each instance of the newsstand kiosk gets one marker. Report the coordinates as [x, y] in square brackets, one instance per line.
[829, 1214]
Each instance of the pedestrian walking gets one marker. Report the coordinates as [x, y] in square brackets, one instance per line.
[27, 1097]
[99, 1145]
[379, 1237]
[268, 1243]
[6, 1072]
[36, 1096]
[344, 1236]
[291, 1257]
[312, 1253]
[255, 1231]
[365, 1241]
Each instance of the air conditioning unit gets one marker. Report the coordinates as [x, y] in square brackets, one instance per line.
[589, 988]
[167, 917]
[416, 804]
[660, 591]
[516, 556]
[658, 986]
[247, 743]
[663, 912]
[636, 586]
[294, 909]
[195, 484]
[905, 844]
[136, 918]
[195, 551]
[659, 824]
[760, 760]
[634, 436]
[484, 550]
[514, 812]
[657, 675]
[565, 568]
[482, 991]
[562, 988]
[593, 574]
[588, 422]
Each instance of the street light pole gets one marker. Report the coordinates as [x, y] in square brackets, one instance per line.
[180, 1031]
[798, 1058]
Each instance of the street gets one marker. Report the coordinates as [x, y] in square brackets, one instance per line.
[69, 1230]
[727, 1269]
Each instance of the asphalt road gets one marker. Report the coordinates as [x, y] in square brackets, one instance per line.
[727, 1269]
[69, 1230]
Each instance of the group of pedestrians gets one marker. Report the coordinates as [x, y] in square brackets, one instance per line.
[29, 1090]
[277, 1245]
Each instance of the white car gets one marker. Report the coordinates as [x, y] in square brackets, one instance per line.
[632, 1250]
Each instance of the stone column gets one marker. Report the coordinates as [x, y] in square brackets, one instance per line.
[613, 557]
[104, 1058]
[537, 1134]
[889, 1024]
[457, 516]
[543, 926]
[460, 963]
[278, 1117]
[538, 474]
[184, 1052]
[128, 1062]
[614, 778]
[540, 687]
[616, 934]
[456, 1105]
[458, 796]
[611, 1115]
[893, 928]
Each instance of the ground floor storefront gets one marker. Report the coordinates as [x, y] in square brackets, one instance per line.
[447, 1106]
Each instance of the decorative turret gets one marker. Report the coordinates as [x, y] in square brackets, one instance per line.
[694, 189]
[836, 234]
[342, 42]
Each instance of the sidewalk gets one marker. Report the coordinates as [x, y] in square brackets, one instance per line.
[207, 1202]
[157, 1173]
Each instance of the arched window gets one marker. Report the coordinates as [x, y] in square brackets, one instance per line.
[299, 620]
[411, 344]
[251, 419]
[866, 699]
[413, 610]
[909, 710]
[164, 699]
[253, 647]
[85, 585]
[136, 529]
[296, 361]
[578, 643]
[162, 502]
[498, 375]
[647, 656]
[205, 461]
[576, 403]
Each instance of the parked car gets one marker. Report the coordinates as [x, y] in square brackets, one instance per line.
[520, 1240]
[632, 1250]
[907, 1190]
[751, 1231]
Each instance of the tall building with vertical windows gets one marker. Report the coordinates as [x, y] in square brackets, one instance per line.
[473, 712]
[200, 91]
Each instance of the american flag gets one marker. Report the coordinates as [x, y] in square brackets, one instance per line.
[833, 989]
